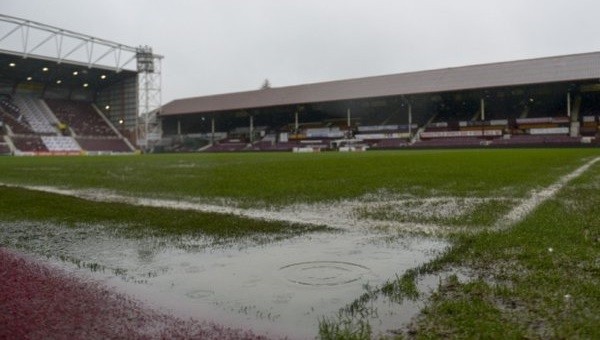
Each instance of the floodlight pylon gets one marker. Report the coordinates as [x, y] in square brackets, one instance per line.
[149, 97]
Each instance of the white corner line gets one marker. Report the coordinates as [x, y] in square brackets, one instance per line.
[314, 219]
[536, 198]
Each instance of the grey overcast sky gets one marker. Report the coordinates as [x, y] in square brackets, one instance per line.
[219, 46]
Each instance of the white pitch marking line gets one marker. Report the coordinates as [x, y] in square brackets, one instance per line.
[521, 211]
[335, 216]
[318, 214]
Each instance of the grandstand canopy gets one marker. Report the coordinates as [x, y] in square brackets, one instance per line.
[55, 63]
[17, 70]
[32, 52]
[579, 68]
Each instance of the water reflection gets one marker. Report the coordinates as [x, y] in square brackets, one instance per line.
[282, 288]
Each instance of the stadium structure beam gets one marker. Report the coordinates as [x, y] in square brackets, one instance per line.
[348, 117]
[212, 130]
[251, 129]
[149, 95]
[24, 33]
[25, 37]
[410, 120]
[569, 104]
[482, 108]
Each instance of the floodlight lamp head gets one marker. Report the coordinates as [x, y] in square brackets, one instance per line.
[145, 59]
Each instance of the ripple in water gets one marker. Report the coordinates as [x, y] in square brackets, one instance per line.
[200, 294]
[323, 273]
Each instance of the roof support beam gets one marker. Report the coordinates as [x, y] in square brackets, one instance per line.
[348, 118]
[212, 130]
[251, 129]
[10, 33]
[568, 104]
[296, 123]
[482, 108]
[40, 44]
[409, 120]
[40, 35]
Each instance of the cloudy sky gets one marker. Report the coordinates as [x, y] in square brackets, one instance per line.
[218, 46]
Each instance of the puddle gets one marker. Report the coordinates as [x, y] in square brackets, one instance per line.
[344, 214]
[281, 289]
[324, 273]
[388, 318]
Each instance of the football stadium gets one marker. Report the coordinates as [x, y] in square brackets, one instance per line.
[447, 203]
[541, 102]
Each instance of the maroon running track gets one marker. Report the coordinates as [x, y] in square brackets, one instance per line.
[38, 301]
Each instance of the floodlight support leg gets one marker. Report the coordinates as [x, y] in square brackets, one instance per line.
[482, 105]
[296, 124]
[348, 115]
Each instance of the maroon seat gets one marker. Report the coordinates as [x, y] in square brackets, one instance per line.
[450, 142]
[227, 146]
[390, 143]
[81, 117]
[29, 144]
[4, 149]
[19, 128]
[103, 144]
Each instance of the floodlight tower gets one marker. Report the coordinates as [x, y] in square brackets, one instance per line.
[149, 95]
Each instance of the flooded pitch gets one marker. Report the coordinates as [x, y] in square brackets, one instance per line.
[281, 288]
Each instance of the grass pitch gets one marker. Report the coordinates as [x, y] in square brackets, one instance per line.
[257, 179]
[536, 279]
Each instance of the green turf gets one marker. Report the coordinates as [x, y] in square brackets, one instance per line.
[519, 289]
[538, 279]
[541, 277]
[17, 204]
[283, 178]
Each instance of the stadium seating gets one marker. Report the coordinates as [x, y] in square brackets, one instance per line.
[103, 145]
[29, 144]
[389, 143]
[81, 117]
[228, 145]
[537, 140]
[36, 113]
[30, 125]
[16, 126]
[61, 143]
[589, 126]
[4, 149]
[450, 142]
[452, 120]
[8, 106]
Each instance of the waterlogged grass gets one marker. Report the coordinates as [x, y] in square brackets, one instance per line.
[32, 219]
[448, 212]
[538, 279]
[18, 204]
[541, 277]
[283, 178]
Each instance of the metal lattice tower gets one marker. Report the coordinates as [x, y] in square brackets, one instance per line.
[150, 96]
